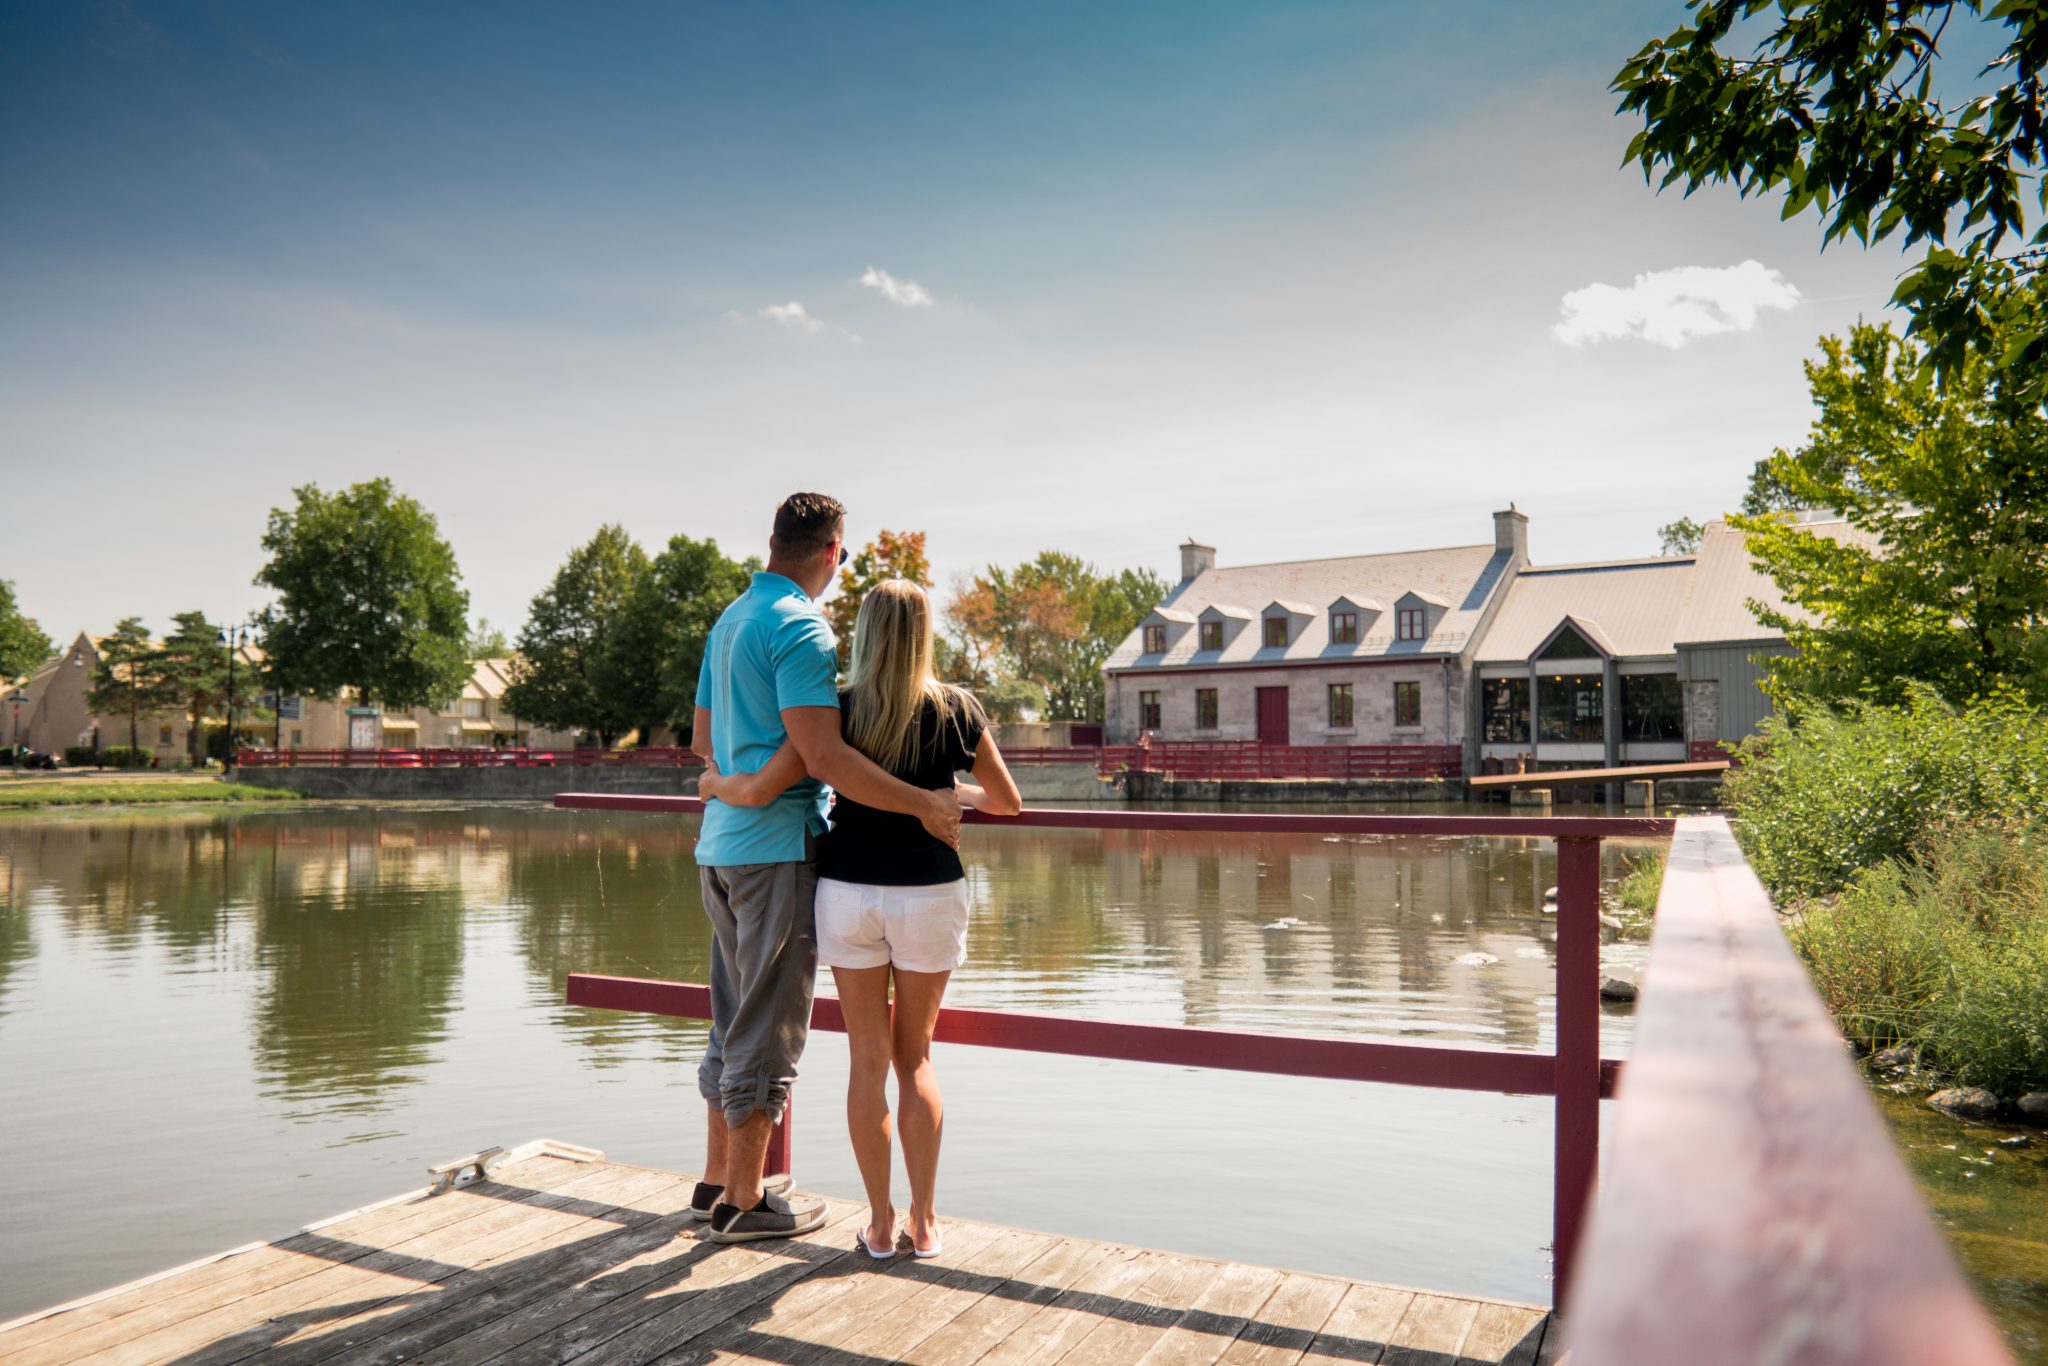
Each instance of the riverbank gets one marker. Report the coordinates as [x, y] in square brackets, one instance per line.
[132, 790]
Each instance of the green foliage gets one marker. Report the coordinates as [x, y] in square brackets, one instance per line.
[138, 791]
[1837, 109]
[129, 681]
[1681, 537]
[487, 641]
[891, 555]
[1822, 794]
[648, 671]
[1052, 622]
[22, 643]
[1949, 486]
[369, 599]
[80, 756]
[559, 677]
[193, 667]
[1947, 951]
[126, 756]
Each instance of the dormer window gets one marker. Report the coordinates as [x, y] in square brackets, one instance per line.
[1155, 640]
[1212, 635]
[1343, 628]
[1276, 633]
[1411, 623]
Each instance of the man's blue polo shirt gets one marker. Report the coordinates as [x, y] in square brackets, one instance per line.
[771, 649]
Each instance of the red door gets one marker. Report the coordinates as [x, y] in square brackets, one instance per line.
[1272, 716]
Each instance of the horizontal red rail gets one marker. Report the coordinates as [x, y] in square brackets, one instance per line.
[469, 757]
[1446, 1067]
[1252, 823]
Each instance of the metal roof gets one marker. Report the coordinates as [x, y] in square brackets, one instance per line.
[1462, 577]
[1633, 606]
[1725, 580]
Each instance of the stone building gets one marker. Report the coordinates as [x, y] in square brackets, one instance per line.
[1364, 649]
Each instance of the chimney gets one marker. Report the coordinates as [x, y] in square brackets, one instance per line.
[1511, 533]
[1194, 558]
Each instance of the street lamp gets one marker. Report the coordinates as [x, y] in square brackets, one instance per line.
[17, 697]
[231, 637]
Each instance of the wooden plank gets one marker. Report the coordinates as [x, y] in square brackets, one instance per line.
[991, 1319]
[953, 1292]
[1128, 1330]
[695, 1286]
[1753, 1206]
[1050, 1331]
[1204, 1333]
[1503, 1335]
[1431, 1333]
[814, 1322]
[1358, 1328]
[1699, 768]
[229, 1329]
[404, 1334]
[1288, 1323]
[157, 1303]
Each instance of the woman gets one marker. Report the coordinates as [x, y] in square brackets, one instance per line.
[892, 900]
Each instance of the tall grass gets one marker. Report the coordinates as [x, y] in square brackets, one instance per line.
[1947, 950]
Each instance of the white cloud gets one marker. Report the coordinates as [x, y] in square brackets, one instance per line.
[796, 317]
[1671, 307]
[902, 293]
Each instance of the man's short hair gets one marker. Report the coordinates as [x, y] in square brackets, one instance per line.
[805, 524]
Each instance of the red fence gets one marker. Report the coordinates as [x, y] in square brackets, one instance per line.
[1249, 759]
[1575, 1076]
[465, 757]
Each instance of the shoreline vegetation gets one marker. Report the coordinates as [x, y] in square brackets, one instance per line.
[32, 794]
[1907, 845]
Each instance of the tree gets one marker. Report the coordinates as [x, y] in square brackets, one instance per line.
[1949, 486]
[557, 675]
[487, 641]
[129, 680]
[22, 643]
[1681, 537]
[1837, 109]
[891, 555]
[193, 669]
[1052, 622]
[648, 671]
[369, 599]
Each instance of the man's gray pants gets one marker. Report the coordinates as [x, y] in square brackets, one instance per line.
[764, 962]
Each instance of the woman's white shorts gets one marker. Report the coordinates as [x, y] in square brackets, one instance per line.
[919, 929]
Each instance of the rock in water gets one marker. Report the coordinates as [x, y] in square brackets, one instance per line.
[2034, 1105]
[1897, 1056]
[1617, 989]
[1965, 1102]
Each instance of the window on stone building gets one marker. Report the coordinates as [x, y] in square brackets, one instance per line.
[1155, 640]
[1205, 709]
[298, 738]
[1148, 710]
[1504, 711]
[1570, 709]
[1276, 632]
[163, 735]
[1652, 708]
[1411, 623]
[1407, 704]
[1212, 635]
[1340, 704]
[1343, 628]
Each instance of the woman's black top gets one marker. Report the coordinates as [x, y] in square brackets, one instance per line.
[888, 848]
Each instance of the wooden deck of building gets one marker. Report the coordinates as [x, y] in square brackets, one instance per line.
[557, 1258]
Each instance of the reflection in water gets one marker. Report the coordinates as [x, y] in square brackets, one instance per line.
[292, 1008]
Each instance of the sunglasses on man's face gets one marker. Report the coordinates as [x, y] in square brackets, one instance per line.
[844, 555]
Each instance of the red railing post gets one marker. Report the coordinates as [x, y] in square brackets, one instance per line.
[778, 1139]
[1577, 1094]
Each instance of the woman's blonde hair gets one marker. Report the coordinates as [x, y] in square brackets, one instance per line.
[891, 676]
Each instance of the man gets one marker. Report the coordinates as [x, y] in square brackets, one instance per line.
[770, 674]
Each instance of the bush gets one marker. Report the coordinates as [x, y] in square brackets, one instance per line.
[1822, 794]
[80, 756]
[1947, 951]
[124, 756]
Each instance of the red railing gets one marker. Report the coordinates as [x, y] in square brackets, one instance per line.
[1249, 759]
[468, 757]
[1574, 1075]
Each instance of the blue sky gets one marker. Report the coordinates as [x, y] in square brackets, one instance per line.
[1284, 277]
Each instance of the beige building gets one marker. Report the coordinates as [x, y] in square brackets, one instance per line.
[56, 714]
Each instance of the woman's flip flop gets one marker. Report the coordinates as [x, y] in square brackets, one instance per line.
[903, 1241]
[860, 1237]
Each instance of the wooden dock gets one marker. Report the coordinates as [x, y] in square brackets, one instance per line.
[570, 1257]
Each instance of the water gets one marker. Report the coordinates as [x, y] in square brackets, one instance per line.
[216, 1026]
